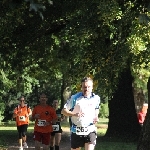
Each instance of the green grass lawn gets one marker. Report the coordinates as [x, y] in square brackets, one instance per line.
[9, 132]
[115, 146]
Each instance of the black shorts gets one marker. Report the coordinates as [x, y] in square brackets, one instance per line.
[80, 140]
[22, 128]
[53, 133]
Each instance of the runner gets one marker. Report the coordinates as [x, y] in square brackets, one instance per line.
[22, 113]
[57, 131]
[44, 115]
[84, 112]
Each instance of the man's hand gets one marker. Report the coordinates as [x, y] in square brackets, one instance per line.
[19, 112]
[37, 116]
[95, 120]
[47, 123]
[27, 115]
[80, 114]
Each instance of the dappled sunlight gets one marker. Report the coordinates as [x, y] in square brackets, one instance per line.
[7, 128]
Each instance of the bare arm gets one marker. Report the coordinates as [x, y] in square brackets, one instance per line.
[96, 119]
[69, 113]
[96, 112]
[66, 112]
[15, 114]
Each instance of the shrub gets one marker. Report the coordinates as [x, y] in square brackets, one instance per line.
[104, 111]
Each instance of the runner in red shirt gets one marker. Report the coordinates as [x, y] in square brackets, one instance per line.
[141, 117]
[44, 115]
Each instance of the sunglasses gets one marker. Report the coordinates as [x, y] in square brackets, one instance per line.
[22, 101]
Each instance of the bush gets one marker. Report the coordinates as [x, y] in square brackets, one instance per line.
[104, 111]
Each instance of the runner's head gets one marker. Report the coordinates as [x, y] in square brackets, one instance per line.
[22, 100]
[43, 98]
[55, 104]
[87, 86]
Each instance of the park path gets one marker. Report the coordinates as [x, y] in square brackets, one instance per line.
[64, 145]
[12, 142]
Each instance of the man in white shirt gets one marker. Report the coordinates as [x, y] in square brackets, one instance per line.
[83, 108]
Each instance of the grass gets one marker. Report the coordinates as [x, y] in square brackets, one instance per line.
[115, 146]
[108, 144]
[9, 132]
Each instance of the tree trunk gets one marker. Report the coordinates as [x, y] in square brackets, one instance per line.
[123, 121]
[139, 98]
[62, 90]
[65, 92]
[144, 140]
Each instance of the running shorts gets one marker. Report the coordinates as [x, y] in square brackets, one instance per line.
[80, 140]
[44, 138]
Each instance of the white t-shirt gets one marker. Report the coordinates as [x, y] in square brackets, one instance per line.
[84, 105]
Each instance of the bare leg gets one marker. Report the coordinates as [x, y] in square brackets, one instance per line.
[24, 138]
[57, 138]
[20, 142]
[37, 145]
[45, 147]
[89, 146]
[52, 141]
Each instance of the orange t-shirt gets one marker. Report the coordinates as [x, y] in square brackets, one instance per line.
[47, 114]
[22, 119]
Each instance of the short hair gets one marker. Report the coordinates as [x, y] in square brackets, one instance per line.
[42, 93]
[55, 100]
[85, 79]
[22, 96]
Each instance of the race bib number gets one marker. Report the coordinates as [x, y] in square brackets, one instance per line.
[41, 123]
[21, 118]
[81, 130]
[85, 130]
[55, 127]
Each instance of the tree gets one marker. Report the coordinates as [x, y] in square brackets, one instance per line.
[123, 120]
[99, 37]
[144, 143]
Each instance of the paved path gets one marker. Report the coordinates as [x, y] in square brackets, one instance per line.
[64, 145]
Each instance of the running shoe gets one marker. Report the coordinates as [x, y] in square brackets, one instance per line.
[25, 145]
[20, 148]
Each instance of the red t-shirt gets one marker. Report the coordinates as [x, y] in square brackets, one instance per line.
[47, 114]
[141, 117]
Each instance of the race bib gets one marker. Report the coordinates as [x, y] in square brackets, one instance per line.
[85, 130]
[81, 130]
[21, 118]
[55, 127]
[41, 122]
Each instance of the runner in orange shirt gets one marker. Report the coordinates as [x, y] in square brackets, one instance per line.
[22, 113]
[44, 115]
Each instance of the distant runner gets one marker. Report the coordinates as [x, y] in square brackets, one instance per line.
[22, 113]
[57, 131]
[44, 115]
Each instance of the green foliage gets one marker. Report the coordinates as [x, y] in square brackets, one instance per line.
[138, 42]
[72, 39]
[2, 108]
[104, 110]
